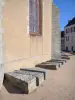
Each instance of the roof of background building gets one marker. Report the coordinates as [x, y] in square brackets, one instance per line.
[71, 22]
[62, 33]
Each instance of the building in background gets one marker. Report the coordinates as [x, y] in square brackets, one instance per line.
[70, 35]
[62, 41]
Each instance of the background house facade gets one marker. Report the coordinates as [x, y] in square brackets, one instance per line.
[70, 35]
[62, 41]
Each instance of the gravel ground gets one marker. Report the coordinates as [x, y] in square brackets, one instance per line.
[60, 85]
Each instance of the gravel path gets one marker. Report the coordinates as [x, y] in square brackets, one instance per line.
[60, 85]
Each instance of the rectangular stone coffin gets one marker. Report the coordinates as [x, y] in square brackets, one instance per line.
[36, 69]
[60, 62]
[51, 65]
[53, 62]
[65, 57]
[39, 76]
[26, 83]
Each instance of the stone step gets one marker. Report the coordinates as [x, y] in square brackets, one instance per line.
[36, 69]
[65, 56]
[26, 83]
[51, 62]
[39, 76]
[51, 65]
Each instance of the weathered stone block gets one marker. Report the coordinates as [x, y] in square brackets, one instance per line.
[37, 69]
[51, 65]
[64, 60]
[27, 83]
[39, 76]
[65, 57]
[49, 62]
[60, 62]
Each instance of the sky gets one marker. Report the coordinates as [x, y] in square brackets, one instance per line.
[67, 11]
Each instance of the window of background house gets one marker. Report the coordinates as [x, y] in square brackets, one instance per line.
[72, 48]
[62, 41]
[35, 17]
[71, 29]
[66, 48]
[66, 30]
[68, 38]
[74, 28]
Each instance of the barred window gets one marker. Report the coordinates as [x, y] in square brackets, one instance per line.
[35, 17]
[66, 30]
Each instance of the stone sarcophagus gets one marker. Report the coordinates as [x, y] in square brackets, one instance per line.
[1, 44]
[56, 37]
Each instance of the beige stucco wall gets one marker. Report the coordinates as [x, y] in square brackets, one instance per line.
[21, 49]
